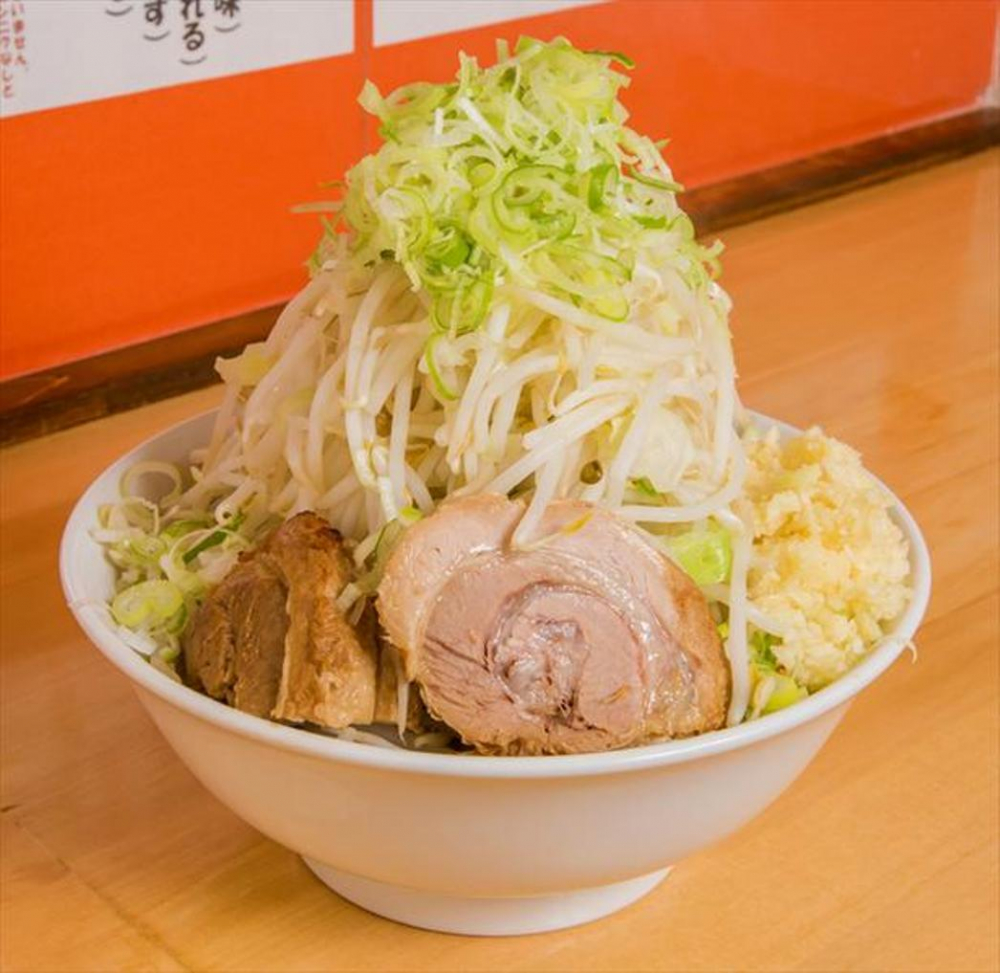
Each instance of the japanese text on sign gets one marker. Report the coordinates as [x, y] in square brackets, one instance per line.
[84, 50]
[191, 21]
[13, 46]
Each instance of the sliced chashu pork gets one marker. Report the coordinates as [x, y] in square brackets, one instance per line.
[270, 640]
[585, 639]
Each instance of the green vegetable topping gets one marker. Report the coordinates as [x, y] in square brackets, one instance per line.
[443, 390]
[774, 689]
[150, 605]
[213, 539]
[784, 692]
[623, 59]
[704, 553]
[762, 652]
[520, 173]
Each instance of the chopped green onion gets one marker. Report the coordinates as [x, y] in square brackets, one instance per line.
[443, 390]
[669, 186]
[147, 467]
[776, 688]
[149, 604]
[623, 59]
[371, 100]
[522, 172]
[213, 540]
[464, 309]
[169, 653]
[178, 529]
[145, 551]
[762, 651]
[602, 181]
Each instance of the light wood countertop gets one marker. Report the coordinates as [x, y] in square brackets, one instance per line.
[875, 315]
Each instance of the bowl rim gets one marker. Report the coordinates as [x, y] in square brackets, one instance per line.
[333, 749]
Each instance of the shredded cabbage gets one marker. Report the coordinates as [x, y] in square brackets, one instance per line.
[706, 554]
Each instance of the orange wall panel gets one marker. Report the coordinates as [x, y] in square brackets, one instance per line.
[136, 216]
[132, 217]
[739, 85]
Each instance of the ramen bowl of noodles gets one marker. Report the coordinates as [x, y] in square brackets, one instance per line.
[471, 844]
[481, 590]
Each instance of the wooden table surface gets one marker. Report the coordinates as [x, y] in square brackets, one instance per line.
[875, 315]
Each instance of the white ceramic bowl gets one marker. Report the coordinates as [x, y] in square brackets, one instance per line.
[475, 845]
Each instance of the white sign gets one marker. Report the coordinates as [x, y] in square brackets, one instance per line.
[61, 52]
[407, 20]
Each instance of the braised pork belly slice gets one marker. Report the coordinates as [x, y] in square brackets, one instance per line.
[584, 639]
[270, 640]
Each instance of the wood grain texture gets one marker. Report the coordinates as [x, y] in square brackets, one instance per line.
[875, 315]
[59, 398]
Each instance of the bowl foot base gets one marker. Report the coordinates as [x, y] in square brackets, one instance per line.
[471, 916]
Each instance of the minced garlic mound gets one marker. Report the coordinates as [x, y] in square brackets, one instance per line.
[828, 564]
